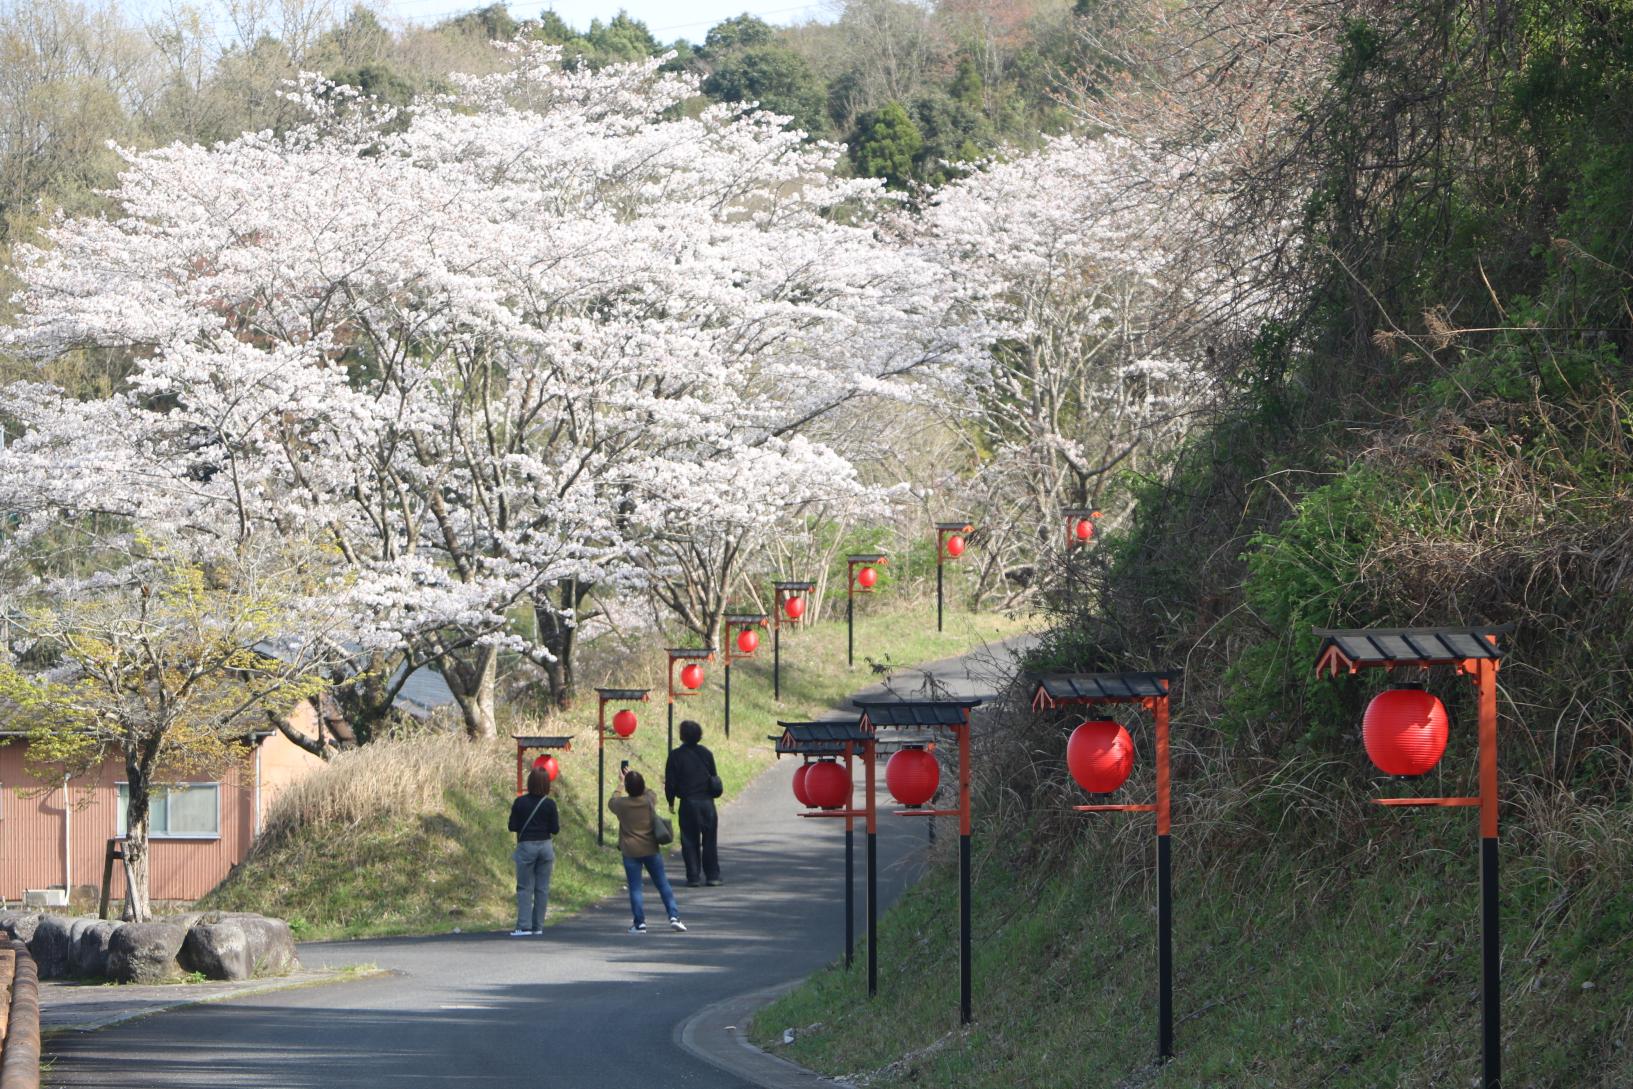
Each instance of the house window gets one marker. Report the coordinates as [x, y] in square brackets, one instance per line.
[189, 811]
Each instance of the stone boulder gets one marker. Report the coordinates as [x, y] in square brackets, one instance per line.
[20, 924]
[145, 952]
[239, 946]
[89, 957]
[52, 945]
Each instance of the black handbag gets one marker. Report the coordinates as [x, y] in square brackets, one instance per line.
[662, 830]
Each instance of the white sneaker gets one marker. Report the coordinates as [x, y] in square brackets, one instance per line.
[521, 933]
[641, 929]
[677, 925]
[536, 933]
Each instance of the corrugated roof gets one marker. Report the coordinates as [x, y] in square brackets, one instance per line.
[541, 741]
[866, 557]
[898, 713]
[1357, 647]
[819, 738]
[1056, 688]
[960, 527]
[622, 693]
[793, 585]
[689, 652]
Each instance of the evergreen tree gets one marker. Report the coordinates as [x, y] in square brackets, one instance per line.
[886, 145]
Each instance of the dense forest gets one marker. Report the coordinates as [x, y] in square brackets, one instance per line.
[1326, 304]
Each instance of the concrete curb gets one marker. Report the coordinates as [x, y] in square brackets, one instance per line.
[20, 1061]
[716, 1034]
[247, 989]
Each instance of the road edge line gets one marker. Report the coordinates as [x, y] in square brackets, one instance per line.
[715, 1035]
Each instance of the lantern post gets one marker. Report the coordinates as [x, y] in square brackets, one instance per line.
[946, 534]
[784, 612]
[603, 697]
[1475, 653]
[952, 715]
[848, 739]
[742, 640]
[692, 657]
[1151, 691]
[1080, 530]
[527, 742]
[858, 582]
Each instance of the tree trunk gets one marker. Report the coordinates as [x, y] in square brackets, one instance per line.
[559, 636]
[138, 818]
[475, 687]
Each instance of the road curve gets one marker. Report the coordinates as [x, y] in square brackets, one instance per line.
[583, 1005]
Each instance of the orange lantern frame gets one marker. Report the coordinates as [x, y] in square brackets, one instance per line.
[1151, 691]
[852, 562]
[603, 697]
[780, 592]
[1475, 653]
[691, 656]
[1074, 515]
[528, 742]
[736, 623]
[943, 531]
[952, 715]
[846, 738]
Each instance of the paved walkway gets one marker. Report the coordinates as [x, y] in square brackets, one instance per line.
[584, 1005]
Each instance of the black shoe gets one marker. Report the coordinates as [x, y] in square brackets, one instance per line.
[693, 884]
[715, 882]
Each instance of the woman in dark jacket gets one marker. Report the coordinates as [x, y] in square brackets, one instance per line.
[691, 778]
[534, 820]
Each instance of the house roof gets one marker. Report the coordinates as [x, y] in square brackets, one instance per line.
[825, 738]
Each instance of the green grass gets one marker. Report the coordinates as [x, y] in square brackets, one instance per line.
[410, 837]
[1359, 970]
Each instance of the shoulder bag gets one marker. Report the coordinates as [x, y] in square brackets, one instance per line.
[662, 831]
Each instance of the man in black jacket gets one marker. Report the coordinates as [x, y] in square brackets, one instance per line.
[690, 776]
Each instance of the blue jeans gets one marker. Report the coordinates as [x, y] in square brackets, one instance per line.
[534, 858]
[632, 874]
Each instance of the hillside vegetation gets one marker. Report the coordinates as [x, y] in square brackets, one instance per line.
[408, 836]
[1435, 430]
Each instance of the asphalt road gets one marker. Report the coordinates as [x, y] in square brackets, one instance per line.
[583, 1005]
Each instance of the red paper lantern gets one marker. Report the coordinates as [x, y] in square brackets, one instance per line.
[866, 578]
[800, 793]
[747, 640]
[548, 763]
[1405, 731]
[828, 785]
[623, 723]
[912, 776]
[692, 676]
[794, 607]
[955, 547]
[1100, 755]
[1084, 529]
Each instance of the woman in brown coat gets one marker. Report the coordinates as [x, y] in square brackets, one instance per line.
[637, 809]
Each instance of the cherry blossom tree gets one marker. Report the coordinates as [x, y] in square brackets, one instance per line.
[1081, 248]
[474, 342]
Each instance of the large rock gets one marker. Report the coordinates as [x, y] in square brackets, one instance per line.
[52, 945]
[239, 946]
[89, 958]
[20, 924]
[145, 952]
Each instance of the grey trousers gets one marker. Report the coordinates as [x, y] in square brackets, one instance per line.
[535, 858]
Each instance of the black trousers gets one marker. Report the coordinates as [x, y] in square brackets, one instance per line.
[699, 829]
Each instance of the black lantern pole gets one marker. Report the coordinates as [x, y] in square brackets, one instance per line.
[946, 532]
[742, 630]
[852, 741]
[603, 697]
[1151, 691]
[858, 582]
[952, 715]
[783, 594]
[1475, 653]
[691, 656]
